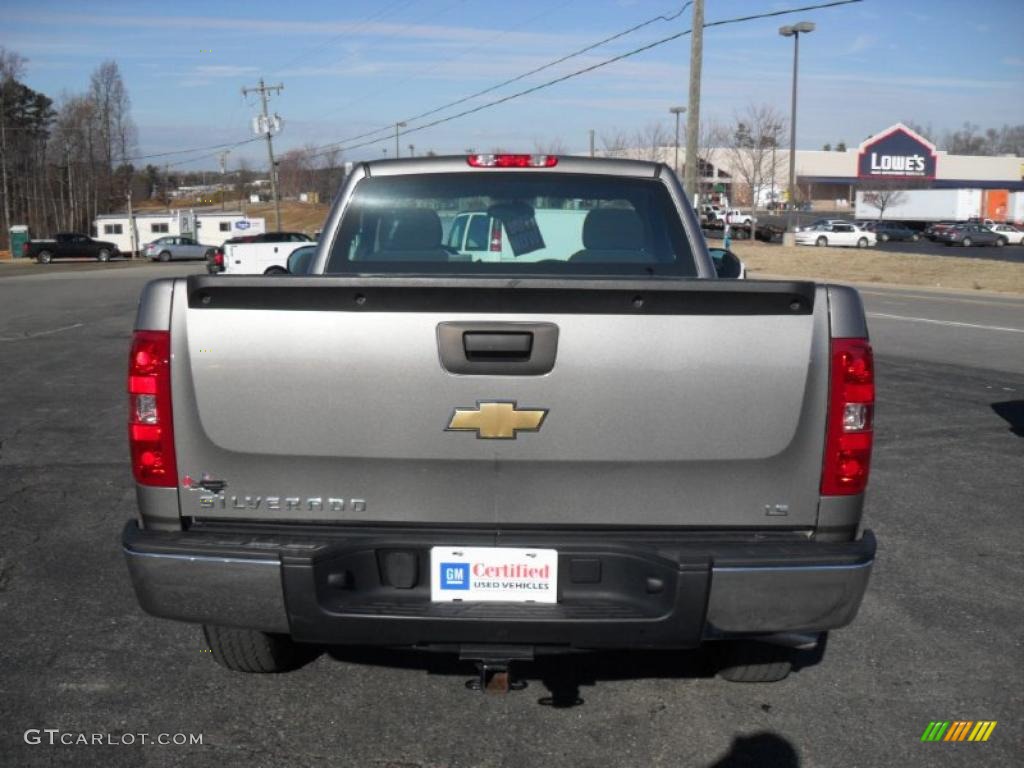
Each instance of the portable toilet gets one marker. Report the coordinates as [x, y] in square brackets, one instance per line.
[19, 236]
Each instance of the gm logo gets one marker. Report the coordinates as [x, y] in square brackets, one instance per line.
[454, 575]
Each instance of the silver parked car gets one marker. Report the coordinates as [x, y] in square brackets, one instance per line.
[173, 247]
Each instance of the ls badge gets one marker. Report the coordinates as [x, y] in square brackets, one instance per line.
[496, 420]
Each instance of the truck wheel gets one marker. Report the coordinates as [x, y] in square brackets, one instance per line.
[746, 661]
[276, 271]
[821, 242]
[103, 255]
[967, 242]
[248, 650]
[862, 243]
[164, 256]
[44, 257]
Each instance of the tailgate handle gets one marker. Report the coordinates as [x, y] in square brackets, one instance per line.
[500, 345]
[482, 348]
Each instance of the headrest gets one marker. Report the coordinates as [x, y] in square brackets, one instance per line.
[414, 229]
[607, 229]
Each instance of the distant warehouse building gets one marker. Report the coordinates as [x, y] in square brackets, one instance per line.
[893, 159]
[207, 228]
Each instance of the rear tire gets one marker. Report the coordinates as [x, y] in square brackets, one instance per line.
[1000, 242]
[248, 650]
[821, 242]
[967, 242]
[276, 271]
[164, 256]
[103, 255]
[44, 257]
[883, 238]
[862, 243]
[746, 661]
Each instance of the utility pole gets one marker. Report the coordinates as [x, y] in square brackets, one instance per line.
[591, 142]
[223, 173]
[398, 148]
[691, 182]
[131, 223]
[268, 127]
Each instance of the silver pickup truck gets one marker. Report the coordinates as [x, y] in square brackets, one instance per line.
[498, 455]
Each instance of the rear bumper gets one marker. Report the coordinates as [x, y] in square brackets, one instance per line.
[371, 587]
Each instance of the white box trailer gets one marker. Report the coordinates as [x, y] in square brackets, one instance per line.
[207, 228]
[1015, 208]
[922, 205]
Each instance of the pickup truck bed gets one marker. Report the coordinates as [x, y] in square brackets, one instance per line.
[642, 459]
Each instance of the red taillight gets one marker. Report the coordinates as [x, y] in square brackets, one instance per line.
[150, 428]
[849, 432]
[218, 258]
[496, 235]
[512, 161]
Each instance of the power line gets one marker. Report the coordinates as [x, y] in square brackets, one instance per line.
[524, 75]
[306, 55]
[228, 145]
[591, 68]
[378, 92]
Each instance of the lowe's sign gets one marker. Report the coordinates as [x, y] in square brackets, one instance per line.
[896, 153]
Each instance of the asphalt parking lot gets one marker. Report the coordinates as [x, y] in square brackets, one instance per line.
[939, 636]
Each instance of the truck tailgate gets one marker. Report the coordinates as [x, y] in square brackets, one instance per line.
[669, 403]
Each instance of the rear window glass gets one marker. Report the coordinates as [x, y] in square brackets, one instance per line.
[518, 223]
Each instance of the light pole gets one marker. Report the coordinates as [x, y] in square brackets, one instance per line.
[398, 148]
[794, 32]
[774, 128]
[677, 111]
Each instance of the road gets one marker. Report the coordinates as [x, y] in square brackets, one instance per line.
[938, 637]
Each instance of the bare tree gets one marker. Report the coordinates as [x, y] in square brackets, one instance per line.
[885, 195]
[615, 142]
[115, 130]
[553, 146]
[651, 140]
[711, 143]
[752, 149]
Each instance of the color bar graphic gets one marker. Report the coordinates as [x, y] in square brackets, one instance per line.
[958, 730]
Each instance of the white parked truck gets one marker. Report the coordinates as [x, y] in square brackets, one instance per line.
[265, 254]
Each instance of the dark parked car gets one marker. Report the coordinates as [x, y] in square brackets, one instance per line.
[932, 231]
[68, 245]
[890, 230]
[970, 234]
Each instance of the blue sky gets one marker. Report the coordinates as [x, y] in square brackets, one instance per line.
[349, 67]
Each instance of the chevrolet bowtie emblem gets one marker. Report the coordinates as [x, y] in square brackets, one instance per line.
[499, 420]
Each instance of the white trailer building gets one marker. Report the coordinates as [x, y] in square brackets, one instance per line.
[206, 227]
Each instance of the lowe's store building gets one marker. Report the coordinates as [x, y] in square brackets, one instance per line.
[900, 158]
